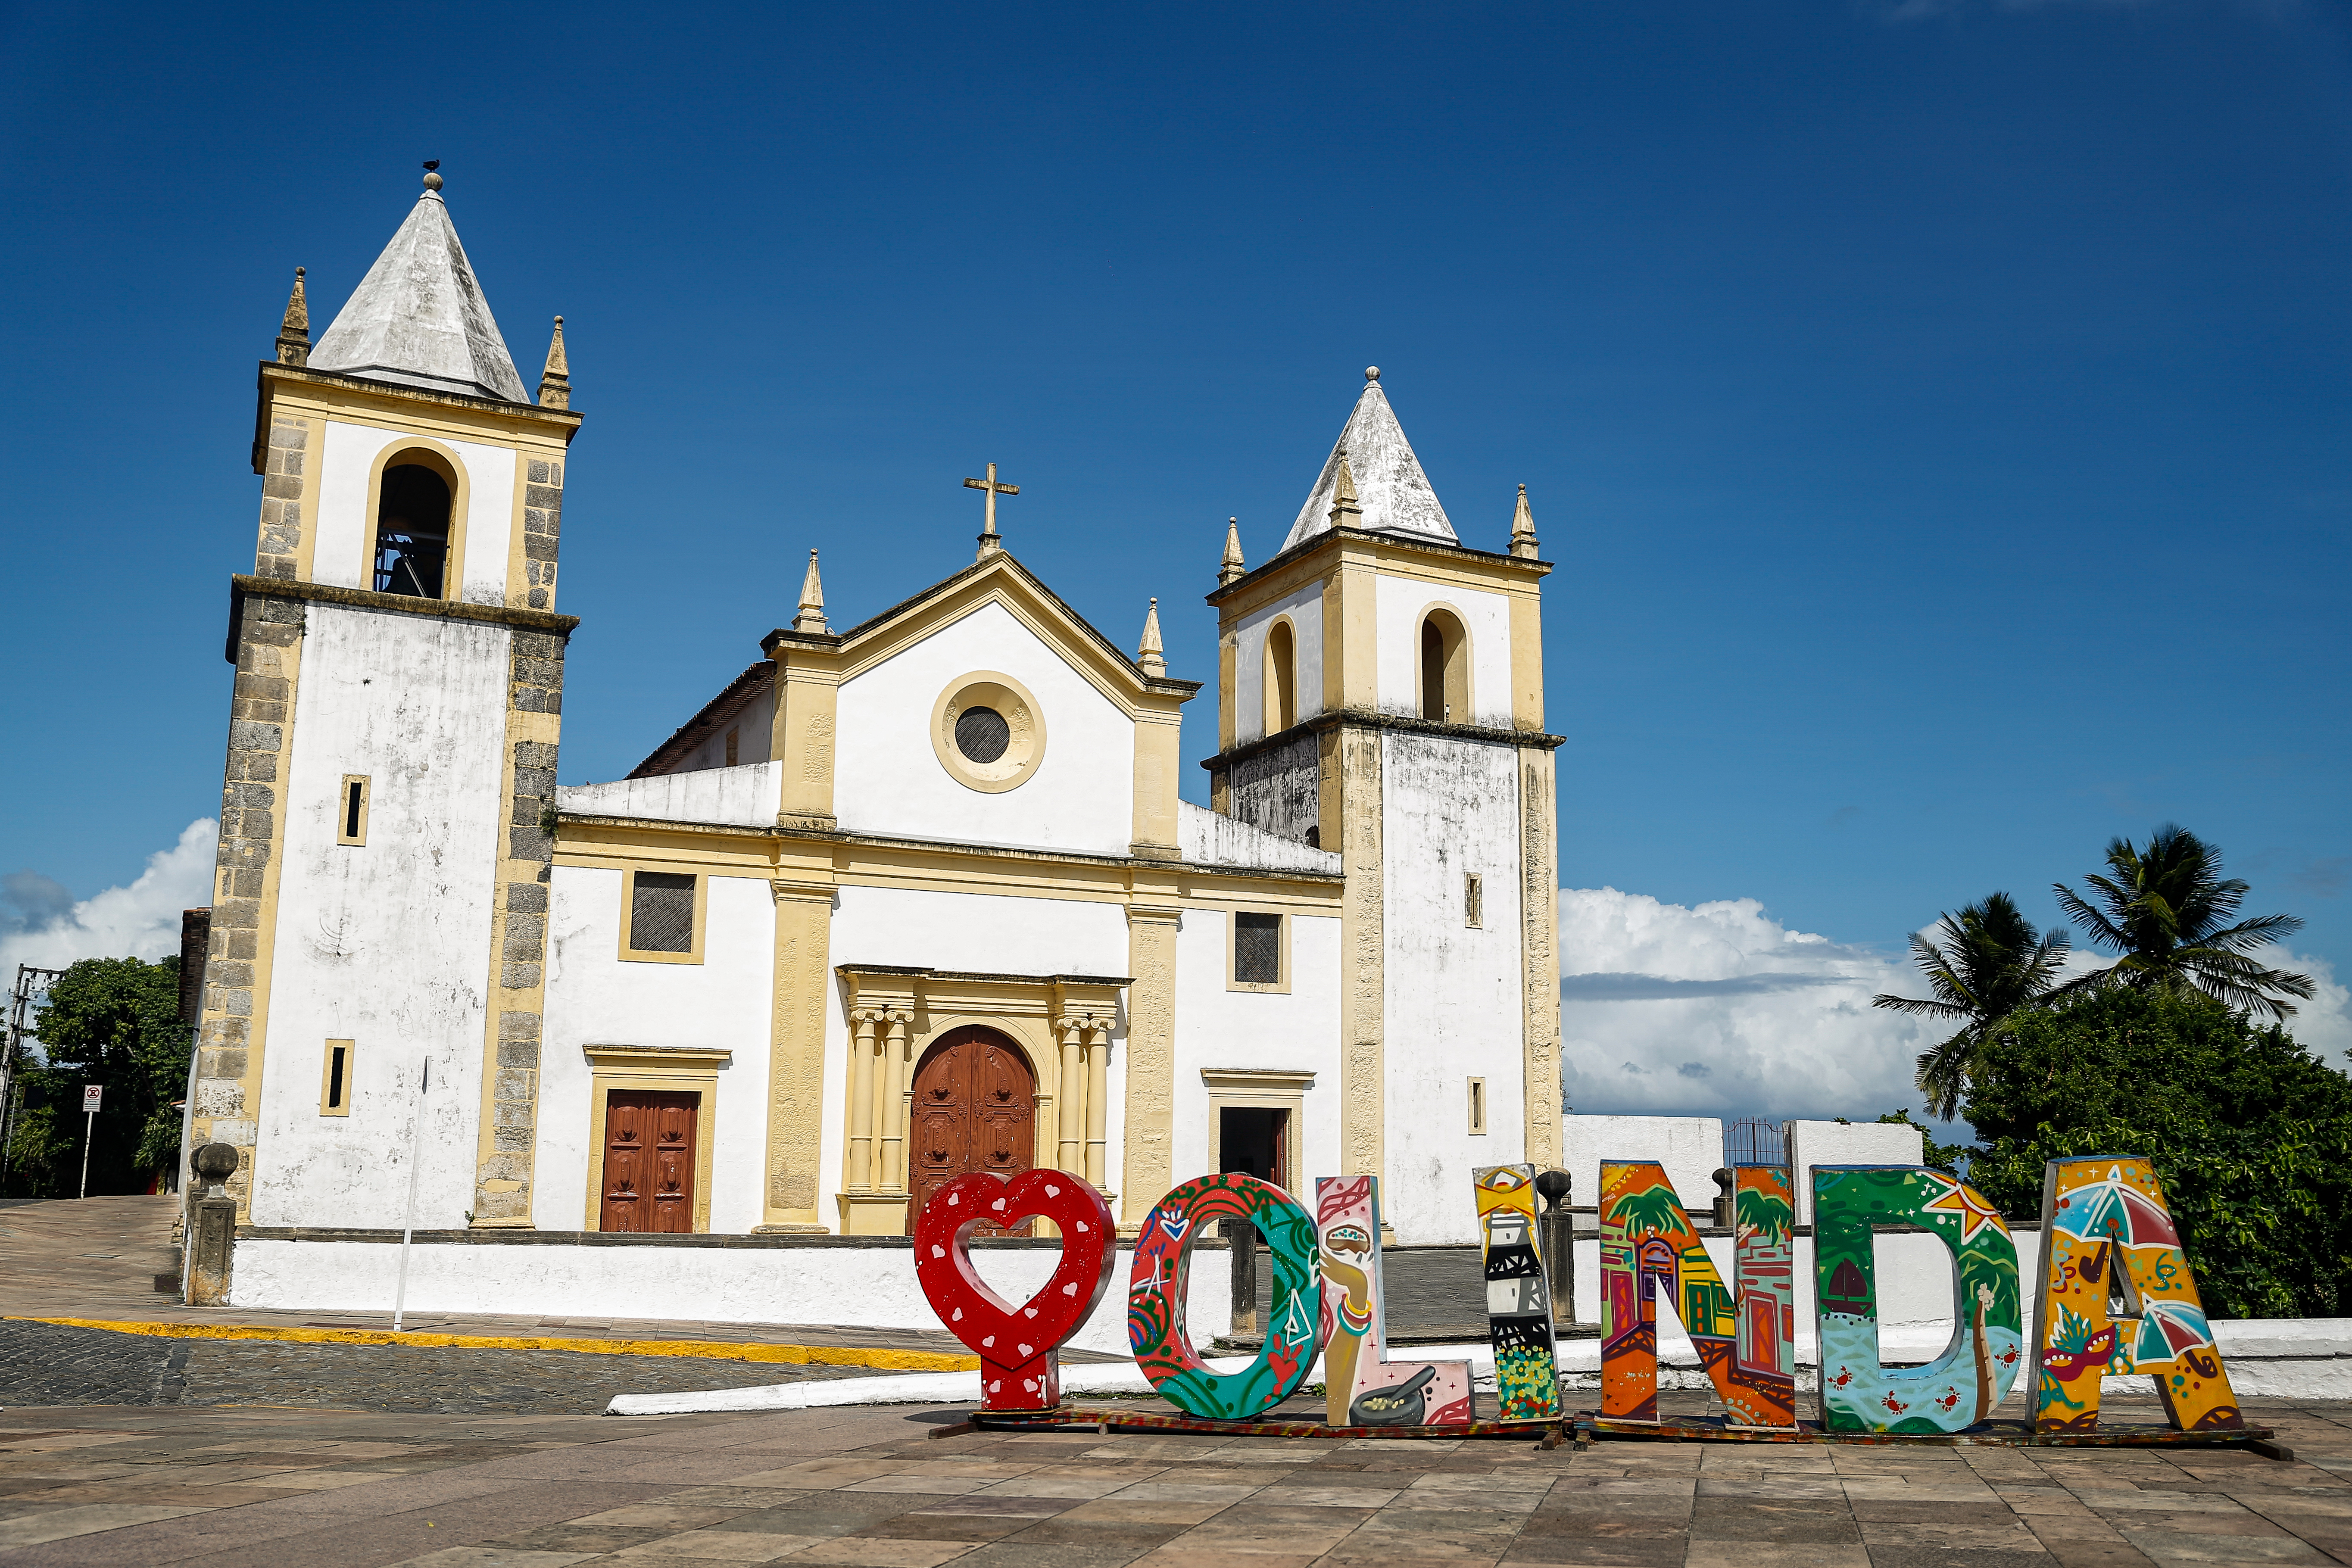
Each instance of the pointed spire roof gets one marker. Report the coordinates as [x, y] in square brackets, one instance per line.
[1151, 657]
[812, 616]
[1393, 493]
[1523, 528]
[294, 331]
[555, 381]
[418, 318]
[1231, 569]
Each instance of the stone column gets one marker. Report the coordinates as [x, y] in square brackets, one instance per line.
[1151, 1136]
[857, 1173]
[1097, 1054]
[897, 1085]
[1070, 1096]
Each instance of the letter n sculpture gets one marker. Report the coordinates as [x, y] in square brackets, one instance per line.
[1648, 1248]
[2106, 1232]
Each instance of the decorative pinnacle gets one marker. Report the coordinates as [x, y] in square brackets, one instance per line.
[812, 616]
[1343, 495]
[555, 381]
[1231, 570]
[1523, 528]
[294, 332]
[432, 180]
[1371, 373]
[1149, 655]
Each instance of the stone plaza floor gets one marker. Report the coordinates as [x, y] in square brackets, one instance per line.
[329, 1487]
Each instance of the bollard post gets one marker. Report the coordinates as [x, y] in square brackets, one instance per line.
[1244, 1256]
[1727, 1207]
[1558, 1229]
[211, 1228]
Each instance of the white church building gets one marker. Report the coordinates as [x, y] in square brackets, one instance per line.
[903, 899]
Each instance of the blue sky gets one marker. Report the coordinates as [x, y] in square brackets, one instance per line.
[1937, 411]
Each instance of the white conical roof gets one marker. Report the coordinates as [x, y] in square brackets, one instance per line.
[418, 317]
[1394, 493]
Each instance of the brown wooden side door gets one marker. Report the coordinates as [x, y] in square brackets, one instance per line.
[975, 1109]
[650, 1160]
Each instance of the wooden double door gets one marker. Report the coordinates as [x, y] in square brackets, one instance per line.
[975, 1109]
[650, 1160]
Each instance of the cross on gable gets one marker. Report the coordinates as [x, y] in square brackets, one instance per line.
[989, 542]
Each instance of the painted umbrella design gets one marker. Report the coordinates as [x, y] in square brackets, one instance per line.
[2168, 1328]
[2116, 1209]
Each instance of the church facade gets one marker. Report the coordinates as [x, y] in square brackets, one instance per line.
[904, 899]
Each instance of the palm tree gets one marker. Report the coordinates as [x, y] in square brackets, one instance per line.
[1982, 964]
[2164, 911]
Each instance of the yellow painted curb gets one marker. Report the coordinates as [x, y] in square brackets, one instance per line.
[706, 1350]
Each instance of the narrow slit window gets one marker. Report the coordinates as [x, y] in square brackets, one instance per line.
[1477, 1105]
[661, 912]
[335, 1079]
[1473, 900]
[351, 810]
[1257, 949]
[732, 737]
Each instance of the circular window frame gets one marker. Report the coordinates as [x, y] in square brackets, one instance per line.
[1022, 753]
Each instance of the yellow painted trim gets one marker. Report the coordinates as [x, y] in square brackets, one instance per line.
[693, 955]
[1150, 1148]
[803, 970]
[327, 1077]
[1259, 1089]
[1025, 750]
[803, 703]
[1539, 988]
[1527, 662]
[678, 1071]
[1268, 710]
[702, 1350]
[343, 834]
[452, 469]
[1232, 943]
[1460, 660]
[1158, 762]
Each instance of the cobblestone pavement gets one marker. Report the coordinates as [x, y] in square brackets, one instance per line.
[251, 1486]
[46, 1364]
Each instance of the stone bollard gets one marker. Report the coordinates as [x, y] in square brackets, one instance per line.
[1727, 1207]
[1558, 1227]
[1244, 1258]
[211, 1227]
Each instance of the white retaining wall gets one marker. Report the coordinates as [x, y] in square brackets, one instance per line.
[1813, 1144]
[1690, 1147]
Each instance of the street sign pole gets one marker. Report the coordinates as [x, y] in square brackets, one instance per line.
[90, 1095]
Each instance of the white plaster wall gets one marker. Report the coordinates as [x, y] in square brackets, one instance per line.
[386, 944]
[1399, 603]
[1689, 1147]
[1220, 1029]
[754, 728]
[1208, 839]
[1305, 609]
[837, 1286]
[745, 795]
[344, 555]
[593, 997]
[1452, 992]
[983, 933]
[1813, 1144]
[1081, 797]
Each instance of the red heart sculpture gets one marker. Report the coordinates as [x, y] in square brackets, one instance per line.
[1020, 1368]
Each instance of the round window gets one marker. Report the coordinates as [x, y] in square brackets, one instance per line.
[988, 732]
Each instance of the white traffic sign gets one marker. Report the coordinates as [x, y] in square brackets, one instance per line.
[90, 1093]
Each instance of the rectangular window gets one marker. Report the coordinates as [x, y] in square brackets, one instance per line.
[1477, 1105]
[351, 810]
[732, 737]
[335, 1079]
[1257, 949]
[661, 916]
[1473, 900]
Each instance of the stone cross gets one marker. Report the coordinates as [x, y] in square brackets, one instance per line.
[988, 542]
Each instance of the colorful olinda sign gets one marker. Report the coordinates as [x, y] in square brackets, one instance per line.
[2107, 1233]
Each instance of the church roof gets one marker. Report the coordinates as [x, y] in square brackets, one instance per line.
[1394, 493]
[418, 317]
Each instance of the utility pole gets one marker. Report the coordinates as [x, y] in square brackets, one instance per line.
[31, 981]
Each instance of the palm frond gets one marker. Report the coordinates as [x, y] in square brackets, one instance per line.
[1914, 1004]
[2102, 931]
[2248, 936]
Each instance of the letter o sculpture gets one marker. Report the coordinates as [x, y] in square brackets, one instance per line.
[1155, 1299]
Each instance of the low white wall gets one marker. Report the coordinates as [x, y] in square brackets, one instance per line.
[744, 795]
[1690, 1147]
[841, 1287]
[1813, 1144]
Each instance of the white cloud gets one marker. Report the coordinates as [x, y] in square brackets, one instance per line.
[142, 920]
[1722, 1010]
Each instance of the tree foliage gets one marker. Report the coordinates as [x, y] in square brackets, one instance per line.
[114, 1022]
[1981, 966]
[2172, 918]
[2250, 1134]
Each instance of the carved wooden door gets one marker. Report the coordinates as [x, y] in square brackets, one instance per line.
[650, 1160]
[975, 1109]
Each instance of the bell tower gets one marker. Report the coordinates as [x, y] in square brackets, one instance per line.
[1381, 694]
[380, 894]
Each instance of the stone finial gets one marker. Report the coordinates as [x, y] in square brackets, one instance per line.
[812, 616]
[294, 332]
[1231, 570]
[1154, 662]
[1371, 373]
[1345, 508]
[1523, 528]
[555, 381]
